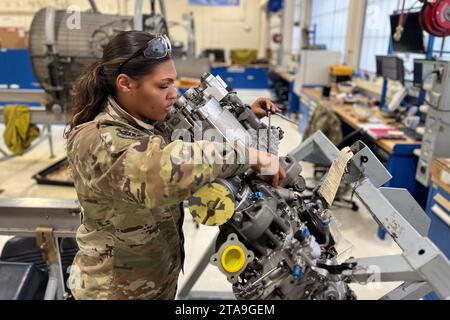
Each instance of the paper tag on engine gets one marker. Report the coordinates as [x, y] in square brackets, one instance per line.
[330, 185]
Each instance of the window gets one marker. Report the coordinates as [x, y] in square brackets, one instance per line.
[296, 33]
[377, 31]
[438, 47]
[330, 19]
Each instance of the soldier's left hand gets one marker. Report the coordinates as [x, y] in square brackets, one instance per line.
[262, 105]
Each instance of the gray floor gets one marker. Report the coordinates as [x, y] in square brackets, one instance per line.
[358, 230]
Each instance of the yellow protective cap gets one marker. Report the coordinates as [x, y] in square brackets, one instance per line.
[233, 259]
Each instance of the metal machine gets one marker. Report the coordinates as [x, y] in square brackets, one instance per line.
[277, 243]
[274, 243]
[63, 42]
[434, 77]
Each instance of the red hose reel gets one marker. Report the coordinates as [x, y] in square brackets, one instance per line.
[435, 17]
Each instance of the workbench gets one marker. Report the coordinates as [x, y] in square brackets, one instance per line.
[397, 155]
[185, 83]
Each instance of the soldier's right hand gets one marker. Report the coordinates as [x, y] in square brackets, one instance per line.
[268, 165]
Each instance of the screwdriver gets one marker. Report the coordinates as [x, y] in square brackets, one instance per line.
[286, 118]
[269, 113]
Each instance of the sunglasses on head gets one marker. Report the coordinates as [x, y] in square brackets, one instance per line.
[157, 48]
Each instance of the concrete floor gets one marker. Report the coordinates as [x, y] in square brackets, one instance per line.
[357, 229]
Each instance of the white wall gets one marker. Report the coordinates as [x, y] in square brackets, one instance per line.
[219, 27]
[216, 26]
[275, 26]
[19, 13]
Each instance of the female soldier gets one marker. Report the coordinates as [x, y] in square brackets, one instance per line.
[129, 179]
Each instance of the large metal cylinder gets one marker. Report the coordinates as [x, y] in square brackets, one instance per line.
[74, 47]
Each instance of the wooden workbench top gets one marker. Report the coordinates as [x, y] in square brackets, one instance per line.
[440, 173]
[187, 83]
[345, 114]
[287, 76]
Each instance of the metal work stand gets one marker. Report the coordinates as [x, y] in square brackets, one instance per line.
[185, 292]
[399, 214]
[45, 219]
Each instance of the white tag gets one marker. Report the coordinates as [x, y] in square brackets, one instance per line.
[331, 183]
[445, 177]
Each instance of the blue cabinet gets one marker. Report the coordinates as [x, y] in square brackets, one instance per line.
[16, 69]
[16, 72]
[294, 100]
[438, 211]
[244, 77]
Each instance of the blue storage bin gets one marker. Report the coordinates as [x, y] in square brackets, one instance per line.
[16, 69]
[244, 77]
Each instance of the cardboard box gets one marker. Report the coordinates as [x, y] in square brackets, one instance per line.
[13, 38]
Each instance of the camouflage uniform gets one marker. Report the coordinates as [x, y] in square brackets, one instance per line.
[130, 183]
[325, 120]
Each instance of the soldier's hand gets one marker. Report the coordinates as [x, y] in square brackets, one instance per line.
[262, 105]
[268, 165]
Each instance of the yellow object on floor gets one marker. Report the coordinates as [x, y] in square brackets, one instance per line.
[19, 132]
